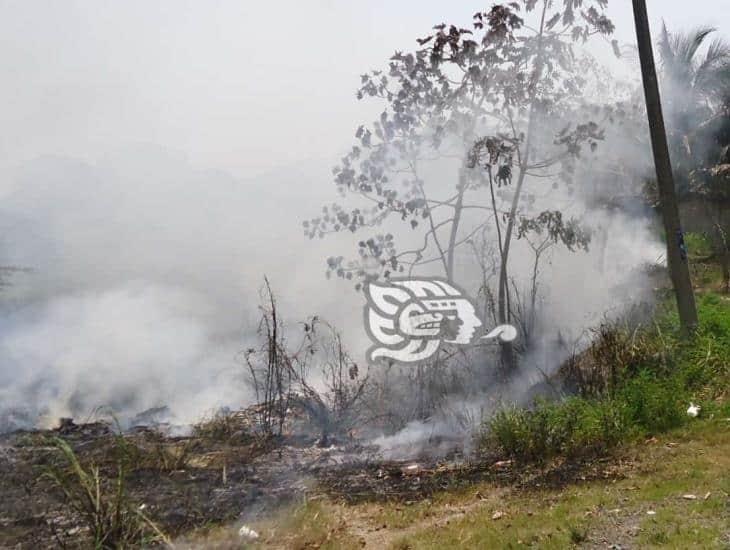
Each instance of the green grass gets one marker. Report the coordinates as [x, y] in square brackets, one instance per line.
[654, 377]
[591, 512]
[698, 244]
[110, 517]
[704, 268]
[314, 524]
[572, 427]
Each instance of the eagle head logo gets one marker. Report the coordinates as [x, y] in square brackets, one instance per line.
[408, 319]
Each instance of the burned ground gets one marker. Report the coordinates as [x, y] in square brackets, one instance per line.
[180, 482]
[188, 483]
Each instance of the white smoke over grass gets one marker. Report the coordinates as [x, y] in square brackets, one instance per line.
[577, 290]
[423, 438]
[146, 274]
[580, 290]
[127, 349]
[146, 277]
[145, 284]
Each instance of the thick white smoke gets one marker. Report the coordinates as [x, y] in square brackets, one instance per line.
[128, 348]
[144, 283]
[145, 269]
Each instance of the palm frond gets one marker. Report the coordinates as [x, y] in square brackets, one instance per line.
[712, 75]
[666, 53]
[692, 41]
[707, 78]
[678, 50]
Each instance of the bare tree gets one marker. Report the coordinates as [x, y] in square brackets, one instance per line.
[334, 397]
[270, 368]
[526, 301]
[317, 375]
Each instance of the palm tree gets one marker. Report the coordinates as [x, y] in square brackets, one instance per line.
[696, 93]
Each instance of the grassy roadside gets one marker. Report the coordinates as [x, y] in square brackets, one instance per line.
[663, 481]
[671, 491]
[620, 464]
[671, 487]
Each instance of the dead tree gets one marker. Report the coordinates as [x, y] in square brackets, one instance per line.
[317, 375]
[270, 369]
[333, 395]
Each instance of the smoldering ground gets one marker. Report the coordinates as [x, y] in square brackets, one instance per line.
[145, 277]
[146, 270]
[144, 283]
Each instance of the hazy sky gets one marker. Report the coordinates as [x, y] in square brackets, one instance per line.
[242, 86]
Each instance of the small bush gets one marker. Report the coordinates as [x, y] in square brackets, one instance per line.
[174, 457]
[714, 317]
[629, 383]
[654, 404]
[579, 426]
[599, 426]
[577, 534]
[704, 362]
[513, 432]
[103, 504]
[573, 427]
[615, 353]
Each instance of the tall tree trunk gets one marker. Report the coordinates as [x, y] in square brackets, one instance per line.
[507, 349]
[676, 254]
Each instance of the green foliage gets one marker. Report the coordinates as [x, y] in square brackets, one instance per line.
[698, 244]
[574, 427]
[615, 353]
[714, 317]
[657, 376]
[103, 504]
[704, 362]
[577, 534]
[655, 404]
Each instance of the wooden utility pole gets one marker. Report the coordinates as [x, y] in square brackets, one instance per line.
[676, 252]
